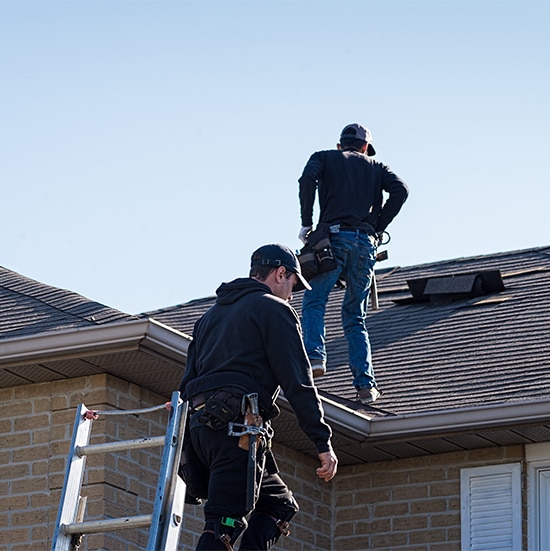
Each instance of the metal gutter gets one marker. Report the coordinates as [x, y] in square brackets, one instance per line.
[165, 340]
[471, 419]
[130, 335]
[367, 430]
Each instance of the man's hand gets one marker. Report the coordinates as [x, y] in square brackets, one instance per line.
[304, 231]
[329, 464]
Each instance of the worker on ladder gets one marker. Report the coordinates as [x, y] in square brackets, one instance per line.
[244, 350]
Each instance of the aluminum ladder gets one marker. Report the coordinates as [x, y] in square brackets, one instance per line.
[167, 517]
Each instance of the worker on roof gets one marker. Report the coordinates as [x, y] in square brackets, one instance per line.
[245, 348]
[352, 219]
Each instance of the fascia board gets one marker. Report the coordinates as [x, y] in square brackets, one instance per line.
[129, 335]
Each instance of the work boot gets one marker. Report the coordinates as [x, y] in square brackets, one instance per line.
[368, 395]
[319, 368]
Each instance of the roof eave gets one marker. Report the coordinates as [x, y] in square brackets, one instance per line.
[374, 429]
[113, 337]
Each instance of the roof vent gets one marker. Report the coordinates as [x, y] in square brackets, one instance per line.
[450, 288]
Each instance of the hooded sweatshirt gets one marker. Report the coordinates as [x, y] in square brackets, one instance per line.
[251, 340]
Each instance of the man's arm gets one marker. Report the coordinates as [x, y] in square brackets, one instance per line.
[308, 186]
[398, 193]
[291, 370]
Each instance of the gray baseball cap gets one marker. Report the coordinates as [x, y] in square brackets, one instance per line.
[359, 132]
[278, 255]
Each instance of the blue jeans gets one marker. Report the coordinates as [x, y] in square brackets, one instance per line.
[355, 254]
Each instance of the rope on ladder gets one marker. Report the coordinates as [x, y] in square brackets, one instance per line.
[94, 414]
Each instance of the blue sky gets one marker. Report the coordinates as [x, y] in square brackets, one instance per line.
[148, 147]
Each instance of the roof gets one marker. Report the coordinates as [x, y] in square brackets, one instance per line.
[47, 334]
[442, 365]
[478, 351]
[29, 307]
[461, 352]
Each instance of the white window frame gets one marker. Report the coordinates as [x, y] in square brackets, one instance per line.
[538, 485]
[494, 486]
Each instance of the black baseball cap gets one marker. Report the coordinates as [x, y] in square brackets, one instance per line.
[359, 132]
[278, 255]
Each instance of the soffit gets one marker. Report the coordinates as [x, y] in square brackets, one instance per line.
[358, 446]
[142, 352]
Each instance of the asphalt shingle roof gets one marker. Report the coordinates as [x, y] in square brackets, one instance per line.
[28, 307]
[429, 357]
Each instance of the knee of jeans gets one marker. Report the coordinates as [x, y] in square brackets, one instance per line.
[286, 509]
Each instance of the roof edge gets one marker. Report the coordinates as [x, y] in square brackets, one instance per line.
[127, 335]
[366, 429]
[439, 423]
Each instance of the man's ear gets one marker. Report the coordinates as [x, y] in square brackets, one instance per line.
[364, 147]
[339, 147]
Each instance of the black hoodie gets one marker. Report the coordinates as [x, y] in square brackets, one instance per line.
[252, 340]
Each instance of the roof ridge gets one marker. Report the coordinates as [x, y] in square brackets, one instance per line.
[175, 307]
[541, 249]
[51, 295]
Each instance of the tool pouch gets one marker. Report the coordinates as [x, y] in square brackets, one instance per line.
[323, 250]
[316, 256]
[220, 409]
[309, 264]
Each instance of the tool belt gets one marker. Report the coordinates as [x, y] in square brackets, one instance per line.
[361, 227]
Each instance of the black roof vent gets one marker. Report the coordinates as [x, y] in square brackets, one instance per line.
[450, 288]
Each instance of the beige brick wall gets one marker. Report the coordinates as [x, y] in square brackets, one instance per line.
[410, 504]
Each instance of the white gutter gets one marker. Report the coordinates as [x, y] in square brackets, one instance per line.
[121, 336]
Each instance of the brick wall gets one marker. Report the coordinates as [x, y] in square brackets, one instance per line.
[410, 504]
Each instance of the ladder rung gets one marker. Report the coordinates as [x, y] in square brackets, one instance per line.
[95, 526]
[118, 446]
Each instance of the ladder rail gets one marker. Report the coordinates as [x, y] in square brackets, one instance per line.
[165, 508]
[74, 474]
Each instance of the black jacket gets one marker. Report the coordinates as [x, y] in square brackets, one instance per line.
[252, 340]
[350, 190]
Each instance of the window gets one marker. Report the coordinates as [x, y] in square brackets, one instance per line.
[491, 508]
[538, 479]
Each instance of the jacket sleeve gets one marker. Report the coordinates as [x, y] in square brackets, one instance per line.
[308, 186]
[398, 193]
[290, 367]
